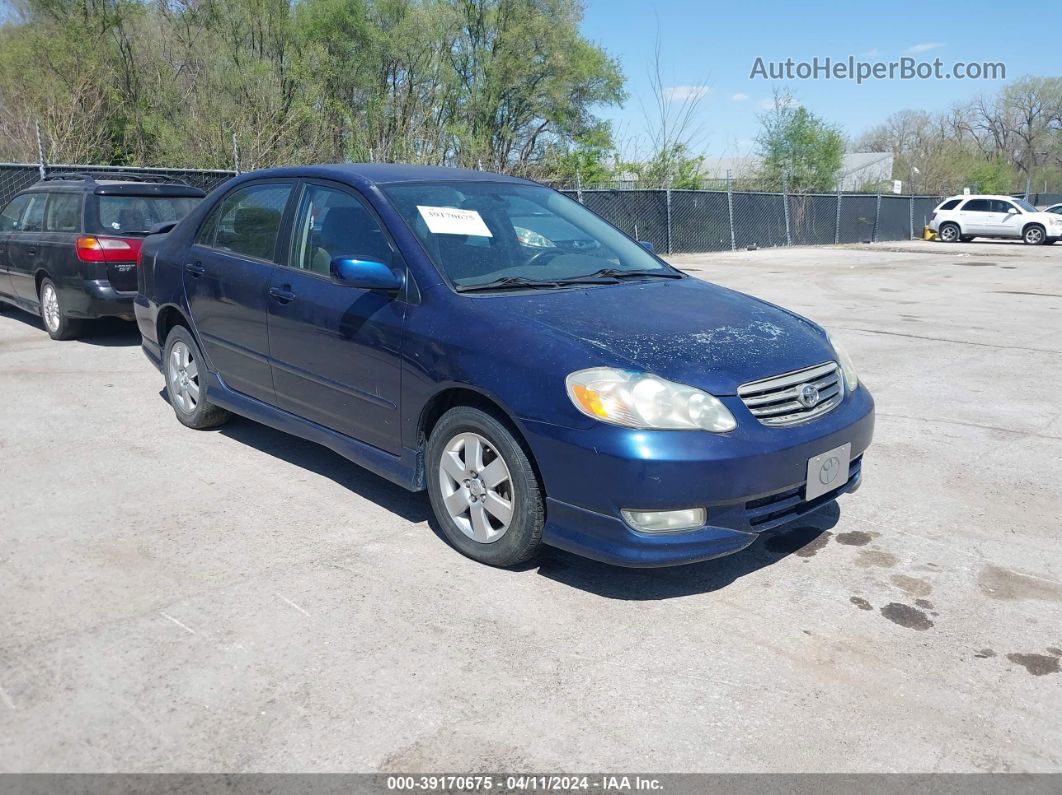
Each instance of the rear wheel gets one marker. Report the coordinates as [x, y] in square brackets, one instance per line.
[950, 233]
[56, 323]
[483, 489]
[1034, 235]
[185, 379]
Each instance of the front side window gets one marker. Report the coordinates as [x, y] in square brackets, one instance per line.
[333, 223]
[247, 222]
[482, 232]
[11, 217]
[63, 213]
[135, 215]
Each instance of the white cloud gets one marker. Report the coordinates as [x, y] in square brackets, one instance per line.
[739, 97]
[873, 52]
[785, 102]
[686, 93]
[925, 46]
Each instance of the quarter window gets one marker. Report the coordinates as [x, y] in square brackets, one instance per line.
[11, 217]
[64, 213]
[247, 221]
[334, 223]
[950, 205]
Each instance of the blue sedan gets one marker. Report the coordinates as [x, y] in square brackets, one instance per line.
[547, 379]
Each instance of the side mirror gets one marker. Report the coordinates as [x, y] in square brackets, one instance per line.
[365, 274]
[647, 245]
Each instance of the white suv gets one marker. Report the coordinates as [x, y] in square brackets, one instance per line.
[963, 218]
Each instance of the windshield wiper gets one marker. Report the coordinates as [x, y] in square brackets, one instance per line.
[507, 282]
[619, 273]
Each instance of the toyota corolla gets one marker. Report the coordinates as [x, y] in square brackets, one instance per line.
[547, 379]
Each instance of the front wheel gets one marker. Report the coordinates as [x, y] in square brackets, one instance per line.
[56, 323]
[1034, 235]
[483, 489]
[185, 379]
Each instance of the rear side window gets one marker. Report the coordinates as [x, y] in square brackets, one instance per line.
[137, 214]
[63, 213]
[978, 206]
[11, 217]
[951, 204]
[33, 220]
[247, 222]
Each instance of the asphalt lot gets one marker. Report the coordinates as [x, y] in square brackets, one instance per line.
[241, 600]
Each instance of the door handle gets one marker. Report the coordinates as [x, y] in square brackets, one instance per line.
[195, 268]
[282, 295]
[31, 250]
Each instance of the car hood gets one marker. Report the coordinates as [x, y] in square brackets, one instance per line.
[688, 331]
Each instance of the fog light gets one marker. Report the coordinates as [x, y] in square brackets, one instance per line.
[666, 521]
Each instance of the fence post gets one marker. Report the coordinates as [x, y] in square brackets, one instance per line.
[578, 185]
[877, 219]
[668, 199]
[40, 151]
[730, 209]
[837, 221]
[235, 154]
[785, 207]
[912, 216]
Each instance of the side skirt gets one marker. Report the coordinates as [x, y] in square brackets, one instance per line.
[404, 470]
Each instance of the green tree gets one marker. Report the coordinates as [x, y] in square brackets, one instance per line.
[799, 147]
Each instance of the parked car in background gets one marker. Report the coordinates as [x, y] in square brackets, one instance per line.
[69, 244]
[1056, 209]
[578, 392]
[962, 218]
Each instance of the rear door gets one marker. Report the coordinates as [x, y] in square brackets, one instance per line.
[227, 272]
[56, 252]
[10, 221]
[23, 247]
[974, 217]
[335, 348]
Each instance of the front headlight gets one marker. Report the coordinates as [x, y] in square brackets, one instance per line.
[851, 380]
[641, 400]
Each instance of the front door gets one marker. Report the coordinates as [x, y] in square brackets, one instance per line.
[10, 223]
[226, 277]
[335, 348]
[1005, 220]
[23, 250]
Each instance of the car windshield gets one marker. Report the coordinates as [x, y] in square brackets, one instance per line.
[479, 233]
[137, 214]
[1025, 206]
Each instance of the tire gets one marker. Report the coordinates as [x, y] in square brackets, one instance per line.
[949, 233]
[1034, 235]
[469, 497]
[56, 323]
[182, 362]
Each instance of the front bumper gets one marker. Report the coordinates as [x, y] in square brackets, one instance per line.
[750, 480]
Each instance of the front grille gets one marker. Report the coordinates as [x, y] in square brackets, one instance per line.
[774, 401]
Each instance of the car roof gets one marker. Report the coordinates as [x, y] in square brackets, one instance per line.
[113, 184]
[386, 173]
[984, 196]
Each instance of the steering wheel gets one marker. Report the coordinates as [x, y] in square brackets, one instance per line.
[546, 252]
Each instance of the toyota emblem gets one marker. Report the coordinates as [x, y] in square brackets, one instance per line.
[808, 395]
[830, 467]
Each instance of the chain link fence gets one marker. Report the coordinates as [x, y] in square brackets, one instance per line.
[674, 221]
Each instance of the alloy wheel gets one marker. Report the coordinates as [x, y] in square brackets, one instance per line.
[477, 488]
[182, 377]
[50, 304]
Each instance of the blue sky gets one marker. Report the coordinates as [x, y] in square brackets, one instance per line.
[717, 43]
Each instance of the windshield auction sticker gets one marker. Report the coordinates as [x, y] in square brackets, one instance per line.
[451, 221]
